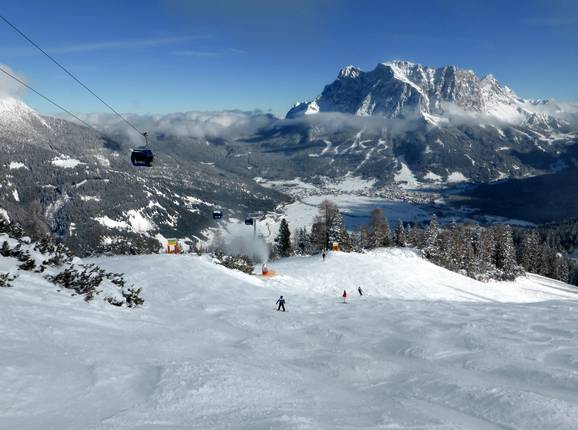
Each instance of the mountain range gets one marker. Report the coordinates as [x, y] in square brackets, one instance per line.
[401, 123]
[441, 121]
[68, 180]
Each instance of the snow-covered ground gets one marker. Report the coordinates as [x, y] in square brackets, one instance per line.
[66, 162]
[422, 349]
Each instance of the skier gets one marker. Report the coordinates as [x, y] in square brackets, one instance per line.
[323, 254]
[360, 291]
[281, 304]
[344, 295]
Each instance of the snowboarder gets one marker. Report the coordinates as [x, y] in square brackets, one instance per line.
[360, 291]
[344, 295]
[281, 304]
[323, 254]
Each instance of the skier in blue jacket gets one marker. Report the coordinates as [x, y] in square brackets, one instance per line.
[281, 304]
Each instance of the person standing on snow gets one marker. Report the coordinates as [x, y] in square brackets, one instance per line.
[344, 295]
[281, 304]
[360, 291]
[323, 254]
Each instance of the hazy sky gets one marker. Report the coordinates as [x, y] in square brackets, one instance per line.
[176, 55]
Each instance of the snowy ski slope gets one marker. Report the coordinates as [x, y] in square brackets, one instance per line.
[423, 349]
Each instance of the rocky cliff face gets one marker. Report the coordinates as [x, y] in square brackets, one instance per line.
[444, 124]
[403, 89]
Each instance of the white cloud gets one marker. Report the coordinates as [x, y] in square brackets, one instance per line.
[201, 125]
[8, 86]
[238, 124]
[566, 111]
[112, 45]
[208, 53]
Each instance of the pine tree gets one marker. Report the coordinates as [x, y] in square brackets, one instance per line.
[505, 254]
[431, 239]
[362, 240]
[417, 236]
[409, 236]
[399, 235]
[5, 251]
[455, 252]
[387, 239]
[471, 261]
[318, 237]
[302, 241]
[477, 263]
[488, 249]
[529, 253]
[563, 268]
[283, 239]
[329, 227]
[379, 229]
[337, 232]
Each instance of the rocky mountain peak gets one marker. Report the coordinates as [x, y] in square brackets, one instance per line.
[399, 88]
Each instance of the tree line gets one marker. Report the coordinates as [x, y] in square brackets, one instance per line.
[481, 252]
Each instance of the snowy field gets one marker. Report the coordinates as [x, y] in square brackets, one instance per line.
[423, 349]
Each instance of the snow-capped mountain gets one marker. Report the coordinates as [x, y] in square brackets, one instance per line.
[400, 89]
[401, 123]
[61, 178]
[18, 118]
[427, 124]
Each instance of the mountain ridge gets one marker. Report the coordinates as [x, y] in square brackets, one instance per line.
[399, 88]
[60, 178]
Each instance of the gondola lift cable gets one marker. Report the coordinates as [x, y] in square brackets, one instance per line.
[145, 153]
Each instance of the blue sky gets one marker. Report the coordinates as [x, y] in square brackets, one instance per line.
[176, 55]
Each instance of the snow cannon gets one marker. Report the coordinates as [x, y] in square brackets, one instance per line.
[265, 272]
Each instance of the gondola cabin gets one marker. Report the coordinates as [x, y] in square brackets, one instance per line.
[142, 157]
[217, 214]
[249, 221]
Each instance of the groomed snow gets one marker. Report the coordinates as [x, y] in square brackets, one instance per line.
[90, 198]
[431, 176]
[136, 222]
[110, 223]
[456, 177]
[65, 162]
[4, 214]
[423, 349]
[405, 177]
[15, 165]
